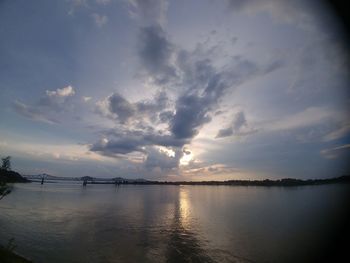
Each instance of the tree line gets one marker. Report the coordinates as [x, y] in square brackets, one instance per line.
[6, 163]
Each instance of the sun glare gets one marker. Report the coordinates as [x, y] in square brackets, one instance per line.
[167, 151]
[186, 159]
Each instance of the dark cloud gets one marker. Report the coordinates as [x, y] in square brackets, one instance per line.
[204, 86]
[207, 86]
[134, 141]
[153, 107]
[186, 151]
[166, 140]
[140, 136]
[201, 85]
[121, 107]
[196, 68]
[166, 116]
[191, 113]
[239, 126]
[162, 159]
[274, 65]
[155, 53]
[239, 121]
[122, 145]
[225, 132]
[117, 107]
[147, 143]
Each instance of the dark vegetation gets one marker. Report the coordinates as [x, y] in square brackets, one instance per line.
[12, 177]
[7, 176]
[345, 179]
[8, 256]
[5, 167]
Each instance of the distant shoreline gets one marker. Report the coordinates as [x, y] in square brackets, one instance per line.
[287, 182]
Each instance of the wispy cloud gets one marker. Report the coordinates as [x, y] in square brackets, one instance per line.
[281, 10]
[338, 133]
[305, 118]
[75, 4]
[149, 12]
[103, 2]
[238, 127]
[86, 98]
[32, 113]
[47, 107]
[335, 152]
[64, 92]
[100, 20]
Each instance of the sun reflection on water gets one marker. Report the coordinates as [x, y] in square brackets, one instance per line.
[184, 207]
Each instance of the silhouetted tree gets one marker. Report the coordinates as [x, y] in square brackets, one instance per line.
[6, 163]
[4, 190]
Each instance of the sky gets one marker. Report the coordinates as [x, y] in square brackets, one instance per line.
[174, 90]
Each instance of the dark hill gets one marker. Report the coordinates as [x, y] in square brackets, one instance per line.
[12, 177]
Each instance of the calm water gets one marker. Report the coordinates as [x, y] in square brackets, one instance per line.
[63, 222]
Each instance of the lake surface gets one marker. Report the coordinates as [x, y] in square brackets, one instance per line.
[65, 222]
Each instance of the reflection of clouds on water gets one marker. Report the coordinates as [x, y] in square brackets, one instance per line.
[105, 224]
[183, 244]
[59, 223]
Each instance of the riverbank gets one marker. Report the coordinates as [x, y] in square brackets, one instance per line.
[12, 177]
[286, 182]
[7, 256]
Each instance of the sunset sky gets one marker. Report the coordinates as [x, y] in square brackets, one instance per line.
[174, 90]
